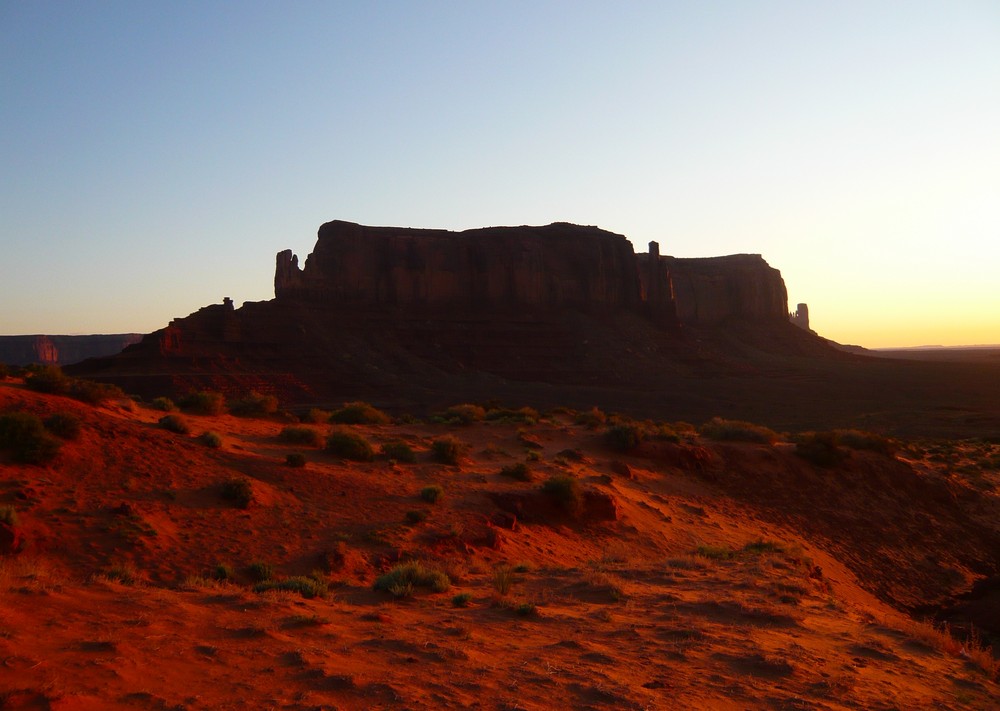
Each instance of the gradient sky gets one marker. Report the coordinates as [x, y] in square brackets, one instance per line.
[155, 156]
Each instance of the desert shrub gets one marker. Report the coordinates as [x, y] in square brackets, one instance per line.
[565, 492]
[519, 471]
[8, 515]
[416, 516]
[93, 393]
[4, 371]
[64, 425]
[461, 600]
[464, 414]
[210, 439]
[48, 379]
[664, 432]
[163, 403]
[294, 434]
[446, 450]
[737, 431]
[203, 402]
[431, 493]
[762, 546]
[502, 579]
[23, 435]
[305, 586]
[624, 437]
[715, 552]
[296, 460]
[175, 423]
[592, 418]
[259, 571]
[239, 490]
[869, 441]
[524, 415]
[526, 609]
[223, 571]
[400, 451]
[125, 573]
[400, 580]
[820, 448]
[316, 416]
[254, 405]
[359, 413]
[349, 445]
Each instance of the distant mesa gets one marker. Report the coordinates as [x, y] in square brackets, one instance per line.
[62, 350]
[429, 311]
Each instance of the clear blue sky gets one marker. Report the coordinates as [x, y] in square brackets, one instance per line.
[155, 156]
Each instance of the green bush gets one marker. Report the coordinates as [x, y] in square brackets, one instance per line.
[48, 379]
[592, 418]
[8, 515]
[211, 439]
[400, 581]
[446, 450]
[359, 413]
[306, 586]
[23, 435]
[464, 414]
[431, 493]
[254, 405]
[416, 516]
[204, 402]
[316, 416]
[239, 490]
[64, 425]
[737, 431]
[868, 441]
[525, 415]
[349, 445]
[175, 423]
[625, 437]
[296, 460]
[93, 393]
[565, 492]
[461, 600]
[260, 571]
[163, 403]
[820, 448]
[400, 451]
[294, 434]
[519, 471]
[223, 572]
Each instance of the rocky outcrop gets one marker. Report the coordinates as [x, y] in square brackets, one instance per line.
[61, 350]
[712, 290]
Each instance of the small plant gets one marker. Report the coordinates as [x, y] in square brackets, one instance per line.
[624, 437]
[254, 405]
[518, 471]
[525, 416]
[8, 515]
[869, 441]
[359, 413]
[210, 439]
[239, 490]
[400, 580]
[315, 416]
[204, 402]
[23, 435]
[591, 419]
[446, 450]
[64, 425]
[308, 587]
[461, 600]
[164, 404]
[737, 431]
[48, 379]
[259, 571]
[565, 492]
[349, 445]
[464, 414]
[399, 451]
[175, 423]
[820, 448]
[503, 579]
[431, 493]
[416, 516]
[716, 552]
[296, 460]
[301, 435]
[223, 572]
[125, 573]
[526, 609]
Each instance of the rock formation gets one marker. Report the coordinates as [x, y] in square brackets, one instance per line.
[61, 350]
[800, 317]
[422, 313]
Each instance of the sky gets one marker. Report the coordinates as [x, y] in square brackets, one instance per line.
[154, 157]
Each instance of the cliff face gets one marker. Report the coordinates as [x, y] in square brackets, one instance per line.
[61, 350]
[714, 289]
[495, 268]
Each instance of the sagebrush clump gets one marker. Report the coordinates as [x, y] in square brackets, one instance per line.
[446, 450]
[24, 436]
[349, 445]
[403, 578]
[565, 492]
[239, 490]
[737, 431]
[204, 402]
[175, 423]
[399, 451]
[64, 425]
[294, 434]
[359, 413]
[254, 405]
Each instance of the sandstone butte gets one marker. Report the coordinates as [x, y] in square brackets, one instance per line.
[432, 315]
